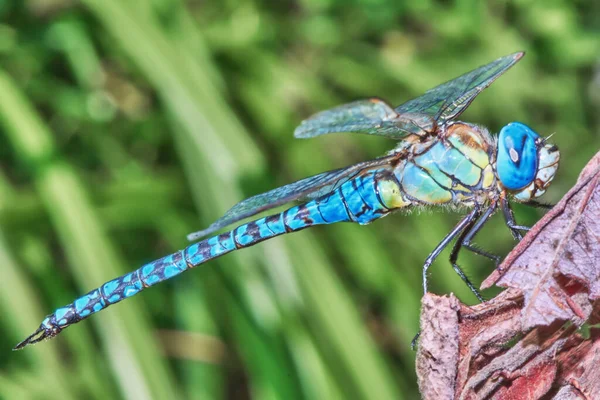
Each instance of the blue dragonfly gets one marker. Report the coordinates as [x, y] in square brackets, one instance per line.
[438, 162]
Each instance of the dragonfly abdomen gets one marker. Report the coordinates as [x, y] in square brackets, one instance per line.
[356, 200]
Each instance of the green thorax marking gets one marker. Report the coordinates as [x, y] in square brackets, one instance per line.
[453, 168]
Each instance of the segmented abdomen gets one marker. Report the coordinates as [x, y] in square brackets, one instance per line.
[358, 200]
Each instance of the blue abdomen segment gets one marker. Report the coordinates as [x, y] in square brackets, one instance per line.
[116, 290]
[361, 200]
[356, 200]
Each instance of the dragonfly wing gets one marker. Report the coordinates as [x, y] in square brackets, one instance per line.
[306, 188]
[372, 116]
[448, 100]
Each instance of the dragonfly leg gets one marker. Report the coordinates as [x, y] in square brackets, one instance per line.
[460, 227]
[414, 341]
[537, 204]
[509, 217]
[464, 240]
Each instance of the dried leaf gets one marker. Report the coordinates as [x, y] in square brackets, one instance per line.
[438, 345]
[580, 368]
[525, 343]
[557, 265]
[465, 353]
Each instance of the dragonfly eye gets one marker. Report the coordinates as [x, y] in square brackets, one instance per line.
[517, 161]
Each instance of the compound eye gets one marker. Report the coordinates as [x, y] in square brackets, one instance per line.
[517, 161]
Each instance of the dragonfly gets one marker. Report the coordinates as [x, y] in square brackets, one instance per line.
[438, 161]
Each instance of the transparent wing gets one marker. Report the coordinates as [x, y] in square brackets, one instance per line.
[372, 116]
[306, 188]
[417, 116]
[448, 100]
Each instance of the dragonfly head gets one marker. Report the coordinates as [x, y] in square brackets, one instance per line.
[525, 163]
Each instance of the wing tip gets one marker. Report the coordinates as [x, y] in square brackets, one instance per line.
[513, 57]
[518, 55]
[192, 237]
[300, 132]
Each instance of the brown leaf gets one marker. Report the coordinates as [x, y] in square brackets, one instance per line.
[438, 347]
[557, 265]
[466, 353]
[580, 368]
[518, 345]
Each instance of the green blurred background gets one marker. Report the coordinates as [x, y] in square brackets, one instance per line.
[126, 125]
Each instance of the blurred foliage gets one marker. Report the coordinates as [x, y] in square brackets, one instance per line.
[129, 124]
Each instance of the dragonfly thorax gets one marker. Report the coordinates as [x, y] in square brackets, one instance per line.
[453, 167]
